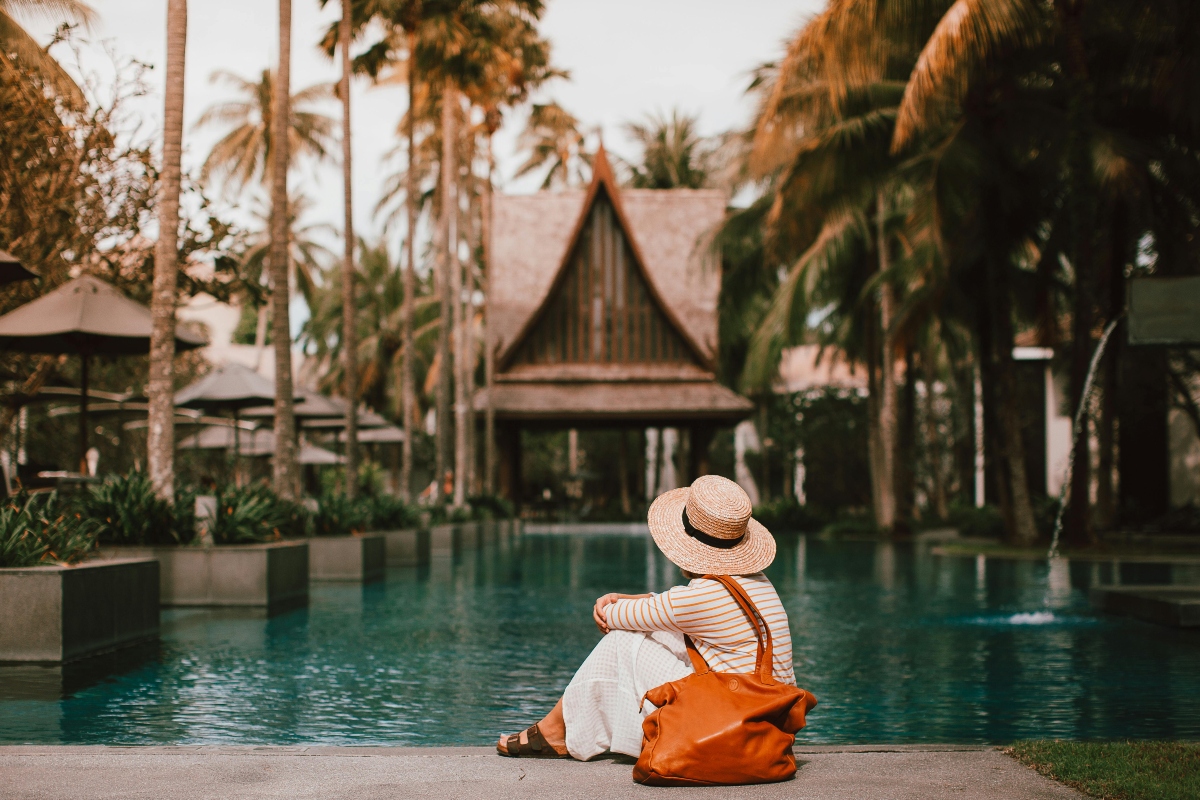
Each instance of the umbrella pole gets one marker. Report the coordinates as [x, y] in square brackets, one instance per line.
[83, 415]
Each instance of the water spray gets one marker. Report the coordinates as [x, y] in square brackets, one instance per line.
[1076, 430]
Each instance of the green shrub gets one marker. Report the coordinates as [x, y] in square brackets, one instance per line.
[786, 514]
[390, 513]
[983, 523]
[851, 526]
[39, 529]
[338, 515]
[490, 506]
[256, 514]
[127, 511]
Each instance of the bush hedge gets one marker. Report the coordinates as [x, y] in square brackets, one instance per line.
[41, 529]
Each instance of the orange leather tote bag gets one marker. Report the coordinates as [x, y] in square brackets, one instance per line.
[716, 728]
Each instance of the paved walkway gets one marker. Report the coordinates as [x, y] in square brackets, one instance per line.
[446, 773]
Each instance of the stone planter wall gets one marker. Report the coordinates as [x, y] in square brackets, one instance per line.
[406, 548]
[273, 576]
[446, 540]
[57, 614]
[347, 558]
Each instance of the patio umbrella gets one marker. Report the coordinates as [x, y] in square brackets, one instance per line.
[260, 443]
[230, 387]
[310, 405]
[367, 419]
[89, 317]
[12, 270]
[389, 434]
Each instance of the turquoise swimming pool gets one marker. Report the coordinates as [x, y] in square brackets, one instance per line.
[898, 644]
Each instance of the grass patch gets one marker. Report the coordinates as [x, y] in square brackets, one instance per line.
[1117, 770]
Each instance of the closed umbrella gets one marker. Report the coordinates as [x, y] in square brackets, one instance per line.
[89, 317]
[12, 270]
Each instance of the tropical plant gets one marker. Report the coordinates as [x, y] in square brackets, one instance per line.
[127, 510]
[39, 530]
[391, 59]
[390, 513]
[17, 45]
[989, 158]
[338, 514]
[490, 506]
[244, 155]
[307, 258]
[380, 304]
[255, 513]
[490, 55]
[556, 144]
[674, 155]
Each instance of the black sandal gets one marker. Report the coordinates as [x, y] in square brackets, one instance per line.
[536, 747]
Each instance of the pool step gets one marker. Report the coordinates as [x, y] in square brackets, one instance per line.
[1176, 606]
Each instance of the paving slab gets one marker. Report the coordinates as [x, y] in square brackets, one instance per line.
[368, 773]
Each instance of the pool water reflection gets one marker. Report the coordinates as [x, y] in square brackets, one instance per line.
[899, 645]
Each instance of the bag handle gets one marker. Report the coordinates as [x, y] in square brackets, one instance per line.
[765, 657]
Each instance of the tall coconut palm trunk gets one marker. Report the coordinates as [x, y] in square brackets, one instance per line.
[1001, 410]
[448, 265]
[285, 469]
[349, 329]
[489, 356]
[160, 444]
[457, 323]
[466, 371]
[884, 461]
[408, 394]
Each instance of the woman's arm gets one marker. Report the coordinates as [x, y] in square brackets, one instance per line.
[645, 613]
[599, 614]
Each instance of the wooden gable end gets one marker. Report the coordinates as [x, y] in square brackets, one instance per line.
[602, 309]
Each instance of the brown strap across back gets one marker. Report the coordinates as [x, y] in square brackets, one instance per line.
[764, 660]
[718, 728]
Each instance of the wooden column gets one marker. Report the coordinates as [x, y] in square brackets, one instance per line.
[698, 464]
[508, 445]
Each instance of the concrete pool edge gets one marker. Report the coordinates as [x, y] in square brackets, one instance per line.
[826, 772]
[353, 751]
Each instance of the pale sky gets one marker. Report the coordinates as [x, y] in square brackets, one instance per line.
[626, 58]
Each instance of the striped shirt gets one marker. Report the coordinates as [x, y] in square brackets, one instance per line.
[705, 611]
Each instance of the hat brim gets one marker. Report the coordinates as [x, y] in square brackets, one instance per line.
[753, 554]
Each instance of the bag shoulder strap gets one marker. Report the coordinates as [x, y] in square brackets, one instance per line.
[765, 657]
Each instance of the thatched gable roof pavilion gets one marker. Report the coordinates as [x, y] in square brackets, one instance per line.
[603, 306]
[603, 312]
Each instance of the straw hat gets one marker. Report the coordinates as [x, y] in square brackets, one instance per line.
[707, 529]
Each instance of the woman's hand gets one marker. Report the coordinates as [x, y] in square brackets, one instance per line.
[600, 615]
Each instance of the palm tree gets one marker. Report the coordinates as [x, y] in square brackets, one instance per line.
[285, 468]
[244, 155]
[379, 316]
[306, 259]
[403, 22]
[349, 328]
[554, 139]
[160, 438]
[519, 62]
[829, 156]
[674, 155]
[16, 41]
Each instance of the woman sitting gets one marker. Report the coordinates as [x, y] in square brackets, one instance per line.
[705, 529]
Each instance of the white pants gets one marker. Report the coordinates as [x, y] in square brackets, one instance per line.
[602, 704]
